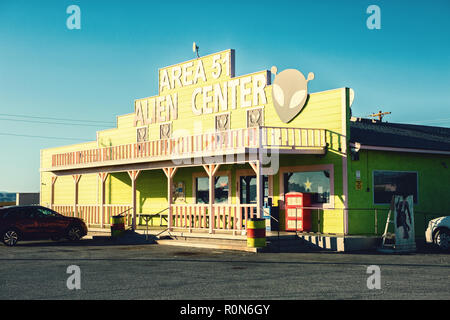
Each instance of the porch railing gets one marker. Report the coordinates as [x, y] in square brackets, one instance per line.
[231, 140]
[92, 214]
[228, 217]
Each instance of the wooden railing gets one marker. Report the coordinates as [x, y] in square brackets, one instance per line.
[281, 137]
[266, 137]
[224, 216]
[65, 210]
[91, 214]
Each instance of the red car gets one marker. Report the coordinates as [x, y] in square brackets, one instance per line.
[38, 223]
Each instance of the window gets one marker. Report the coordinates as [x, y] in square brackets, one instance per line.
[389, 183]
[45, 213]
[18, 213]
[315, 182]
[221, 189]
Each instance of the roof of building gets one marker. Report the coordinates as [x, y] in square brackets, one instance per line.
[397, 135]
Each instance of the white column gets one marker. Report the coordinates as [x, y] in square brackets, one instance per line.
[76, 179]
[169, 172]
[103, 176]
[52, 192]
[259, 189]
[133, 175]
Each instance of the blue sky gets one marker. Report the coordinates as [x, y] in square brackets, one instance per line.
[95, 73]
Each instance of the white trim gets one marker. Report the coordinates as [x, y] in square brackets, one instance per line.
[393, 149]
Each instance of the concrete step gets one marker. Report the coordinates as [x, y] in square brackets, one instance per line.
[273, 244]
[206, 245]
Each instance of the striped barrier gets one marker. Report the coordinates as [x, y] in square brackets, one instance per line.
[256, 233]
[117, 226]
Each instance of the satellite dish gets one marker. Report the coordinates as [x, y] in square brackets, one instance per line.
[351, 96]
[195, 48]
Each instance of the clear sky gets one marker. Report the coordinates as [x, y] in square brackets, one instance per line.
[95, 73]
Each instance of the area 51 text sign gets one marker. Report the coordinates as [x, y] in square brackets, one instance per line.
[404, 223]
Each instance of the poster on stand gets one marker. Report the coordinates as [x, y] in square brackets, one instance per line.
[404, 223]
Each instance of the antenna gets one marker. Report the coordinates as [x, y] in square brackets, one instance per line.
[380, 115]
[195, 49]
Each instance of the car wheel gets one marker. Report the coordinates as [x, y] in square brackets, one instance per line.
[10, 237]
[74, 233]
[442, 239]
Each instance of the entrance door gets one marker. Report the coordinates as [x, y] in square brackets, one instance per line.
[247, 190]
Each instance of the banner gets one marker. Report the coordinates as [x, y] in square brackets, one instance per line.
[404, 223]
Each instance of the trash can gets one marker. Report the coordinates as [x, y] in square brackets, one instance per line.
[117, 226]
[256, 233]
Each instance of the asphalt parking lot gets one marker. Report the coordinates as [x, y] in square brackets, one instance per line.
[39, 270]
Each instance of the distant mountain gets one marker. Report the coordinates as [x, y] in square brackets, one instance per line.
[7, 197]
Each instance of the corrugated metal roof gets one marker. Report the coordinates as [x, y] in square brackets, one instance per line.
[398, 135]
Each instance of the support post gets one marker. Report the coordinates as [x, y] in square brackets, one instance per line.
[103, 176]
[170, 172]
[76, 179]
[52, 192]
[133, 176]
[257, 167]
[211, 170]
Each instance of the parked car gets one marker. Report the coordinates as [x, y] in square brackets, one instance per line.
[38, 223]
[438, 232]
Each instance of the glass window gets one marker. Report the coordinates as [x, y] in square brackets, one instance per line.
[42, 212]
[389, 183]
[221, 189]
[315, 182]
[202, 190]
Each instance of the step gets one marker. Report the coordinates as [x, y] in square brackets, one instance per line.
[206, 245]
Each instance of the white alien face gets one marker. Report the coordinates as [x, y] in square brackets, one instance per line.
[289, 92]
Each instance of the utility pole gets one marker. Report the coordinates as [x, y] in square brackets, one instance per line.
[380, 115]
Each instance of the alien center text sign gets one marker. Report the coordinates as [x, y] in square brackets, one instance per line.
[205, 84]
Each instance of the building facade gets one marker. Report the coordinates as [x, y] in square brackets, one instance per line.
[212, 149]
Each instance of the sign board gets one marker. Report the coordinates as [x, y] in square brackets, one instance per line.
[403, 235]
[199, 87]
[404, 223]
[179, 192]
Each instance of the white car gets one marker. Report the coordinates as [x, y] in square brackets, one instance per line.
[438, 232]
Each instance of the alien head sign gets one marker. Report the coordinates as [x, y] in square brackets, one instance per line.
[289, 92]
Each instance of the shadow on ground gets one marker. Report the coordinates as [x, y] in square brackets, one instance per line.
[128, 238]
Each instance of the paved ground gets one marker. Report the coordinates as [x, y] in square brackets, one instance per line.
[37, 270]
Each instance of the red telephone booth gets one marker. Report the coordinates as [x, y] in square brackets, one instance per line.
[298, 218]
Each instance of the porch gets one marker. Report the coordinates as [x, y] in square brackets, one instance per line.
[206, 151]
